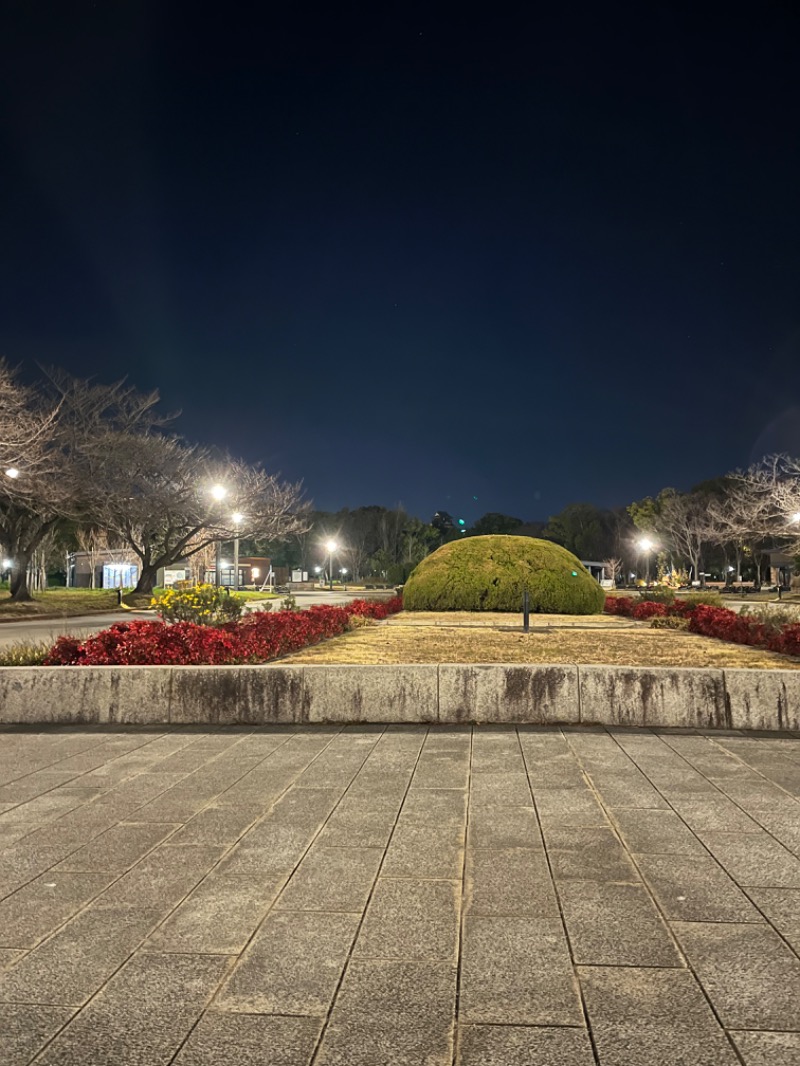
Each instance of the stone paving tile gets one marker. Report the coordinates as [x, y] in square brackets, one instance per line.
[219, 916]
[292, 966]
[503, 790]
[118, 849]
[517, 971]
[143, 1014]
[435, 806]
[781, 907]
[588, 855]
[768, 1049]
[504, 827]
[217, 825]
[643, 1017]
[77, 960]
[25, 1029]
[244, 1040]
[295, 858]
[575, 807]
[361, 820]
[749, 974]
[754, 859]
[649, 832]
[425, 851]
[694, 888]
[332, 879]
[615, 925]
[392, 1012]
[515, 882]
[8, 957]
[520, 1045]
[409, 919]
[41, 906]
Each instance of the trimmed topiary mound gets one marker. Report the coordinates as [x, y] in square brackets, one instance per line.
[491, 573]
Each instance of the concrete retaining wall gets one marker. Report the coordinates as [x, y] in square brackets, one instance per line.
[447, 693]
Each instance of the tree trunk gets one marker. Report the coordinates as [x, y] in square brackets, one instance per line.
[147, 580]
[20, 592]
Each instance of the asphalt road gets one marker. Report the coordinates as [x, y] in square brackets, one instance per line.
[83, 625]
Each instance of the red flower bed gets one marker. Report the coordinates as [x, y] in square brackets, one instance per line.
[620, 605]
[718, 622]
[259, 637]
[648, 609]
[787, 641]
[726, 625]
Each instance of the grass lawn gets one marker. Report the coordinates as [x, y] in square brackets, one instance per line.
[463, 637]
[58, 603]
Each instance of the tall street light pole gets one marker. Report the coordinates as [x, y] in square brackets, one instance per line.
[237, 520]
[330, 547]
[218, 492]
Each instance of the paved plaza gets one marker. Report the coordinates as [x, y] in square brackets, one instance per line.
[401, 895]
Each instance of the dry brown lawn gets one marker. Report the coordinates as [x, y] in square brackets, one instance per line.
[463, 637]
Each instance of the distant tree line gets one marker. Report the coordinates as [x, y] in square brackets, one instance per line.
[90, 466]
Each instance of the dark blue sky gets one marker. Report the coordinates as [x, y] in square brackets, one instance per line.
[415, 257]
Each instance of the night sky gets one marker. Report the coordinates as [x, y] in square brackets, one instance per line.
[405, 256]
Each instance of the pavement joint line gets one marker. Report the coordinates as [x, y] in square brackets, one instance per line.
[743, 888]
[687, 963]
[462, 899]
[331, 1007]
[138, 946]
[123, 821]
[97, 991]
[575, 977]
[287, 880]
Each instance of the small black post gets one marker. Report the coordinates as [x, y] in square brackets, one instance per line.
[526, 614]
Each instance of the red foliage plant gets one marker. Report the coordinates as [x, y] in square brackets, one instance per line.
[259, 637]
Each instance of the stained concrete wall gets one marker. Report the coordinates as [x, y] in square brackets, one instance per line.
[447, 693]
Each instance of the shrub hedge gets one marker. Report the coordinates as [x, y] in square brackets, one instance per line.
[709, 621]
[259, 637]
[491, 574]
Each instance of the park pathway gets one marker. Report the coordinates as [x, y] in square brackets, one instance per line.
[401, 896]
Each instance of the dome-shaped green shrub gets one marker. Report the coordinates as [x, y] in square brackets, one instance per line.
[491, 573]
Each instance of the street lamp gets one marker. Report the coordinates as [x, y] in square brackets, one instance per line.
[343, 572]
[330, 548]
[646, 545]
[795, 519]
[237, 521]
[218, 493]
[12, 472]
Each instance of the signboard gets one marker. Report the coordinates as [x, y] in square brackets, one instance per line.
[171, 576]
[299, 575]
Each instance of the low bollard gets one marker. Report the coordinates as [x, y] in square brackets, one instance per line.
[526, 613]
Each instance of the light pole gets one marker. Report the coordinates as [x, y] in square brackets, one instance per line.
[646, 545]
[318, 571]
[218, 492]
[343, 572]
[330, 547]
[237, 521]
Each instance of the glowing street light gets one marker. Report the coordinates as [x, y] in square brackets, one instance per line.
[795, 519]
[646, 546]
[12, 472]
[218, 493]
[330, 547]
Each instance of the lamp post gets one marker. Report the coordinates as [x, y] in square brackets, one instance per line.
[646, 545]
[330, 547]
[343, 572]
[237, 521]
[318, 571]
[218, 493]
